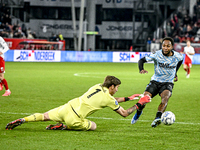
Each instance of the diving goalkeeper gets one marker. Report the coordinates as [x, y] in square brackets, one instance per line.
[75, 112]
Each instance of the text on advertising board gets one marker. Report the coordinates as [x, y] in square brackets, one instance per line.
[24, 55]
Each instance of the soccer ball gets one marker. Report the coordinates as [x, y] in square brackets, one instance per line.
[168, 118]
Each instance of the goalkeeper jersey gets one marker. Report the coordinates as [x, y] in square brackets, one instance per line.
[164, 66]
[97, 97]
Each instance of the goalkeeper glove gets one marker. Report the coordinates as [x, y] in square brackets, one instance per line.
[145, 99]
[133, 97]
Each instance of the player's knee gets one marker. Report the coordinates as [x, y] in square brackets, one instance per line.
[1, 77]
[147, 93]
[93, 126]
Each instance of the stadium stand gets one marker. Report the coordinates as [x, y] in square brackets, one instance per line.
[181, 26]
[9, 30]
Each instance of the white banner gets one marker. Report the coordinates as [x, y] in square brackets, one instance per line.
[37, 56]
[126, 56]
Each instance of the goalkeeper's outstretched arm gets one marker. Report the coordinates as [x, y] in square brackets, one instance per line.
[124, 99]
[143, 100]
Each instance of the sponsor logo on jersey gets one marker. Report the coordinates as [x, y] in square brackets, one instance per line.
[165, 65]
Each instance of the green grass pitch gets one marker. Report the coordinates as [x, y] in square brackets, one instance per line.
[39, 87]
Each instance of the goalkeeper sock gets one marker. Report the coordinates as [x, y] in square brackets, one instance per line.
[34, 117]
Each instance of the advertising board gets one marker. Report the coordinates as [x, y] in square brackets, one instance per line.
[36, 56]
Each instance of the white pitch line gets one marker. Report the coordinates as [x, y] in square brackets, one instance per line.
[103, 118]
[142, 120]
[15, 113]
[87, 75]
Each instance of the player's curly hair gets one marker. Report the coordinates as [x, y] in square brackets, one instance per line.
[111, 80]
[170, 39]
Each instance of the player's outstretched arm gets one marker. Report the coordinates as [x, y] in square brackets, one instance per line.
[145, 99]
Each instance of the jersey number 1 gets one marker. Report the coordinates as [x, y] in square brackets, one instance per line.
[97, 90]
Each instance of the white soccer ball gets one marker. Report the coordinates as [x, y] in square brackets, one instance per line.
[168, 118]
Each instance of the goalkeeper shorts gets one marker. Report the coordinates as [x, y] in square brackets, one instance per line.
[65, 113]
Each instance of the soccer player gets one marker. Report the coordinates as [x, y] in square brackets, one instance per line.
[74, 112]
[189, 52]
[166, 65]
[3, 48]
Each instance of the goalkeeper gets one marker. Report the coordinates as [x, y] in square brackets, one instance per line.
[75, 112]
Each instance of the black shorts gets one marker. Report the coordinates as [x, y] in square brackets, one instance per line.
[155, 87]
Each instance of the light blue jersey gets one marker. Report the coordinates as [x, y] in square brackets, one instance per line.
[164, 66]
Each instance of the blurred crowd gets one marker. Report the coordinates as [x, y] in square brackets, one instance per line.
[9, 30]
[183, 27]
